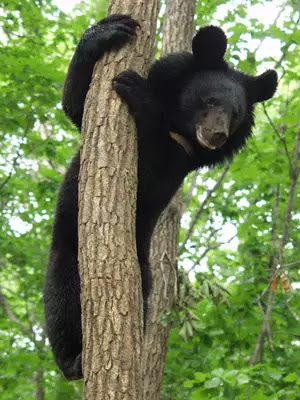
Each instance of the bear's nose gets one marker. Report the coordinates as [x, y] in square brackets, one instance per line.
[218, 139]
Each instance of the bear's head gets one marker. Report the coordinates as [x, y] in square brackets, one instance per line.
[207, 101]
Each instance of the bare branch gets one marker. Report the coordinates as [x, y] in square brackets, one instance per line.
[18, 155]
[201, 208]
[282, 139]
[264, 328]
[284, 267]
[28, 332]
[275, 216]
[297, 318]
[39, 382]
[208, 248]
[11, 315]
[286, 333]
[189, 195]
[295, 176]
[283, 7]
[278, 258]
[268, 329]
[290, 265]
[11, 171]
[288, 45]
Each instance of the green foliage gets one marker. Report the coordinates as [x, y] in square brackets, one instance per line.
[255, 383]
[227, 256]
[37, 142]
[231, 244]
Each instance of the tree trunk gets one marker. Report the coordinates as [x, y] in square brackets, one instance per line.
[111, 296]
[178, 29]
[178, 26]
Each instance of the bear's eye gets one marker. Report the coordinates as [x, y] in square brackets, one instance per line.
[235, 115]
[212, 101]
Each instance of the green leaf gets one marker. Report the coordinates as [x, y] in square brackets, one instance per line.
[275, 375]
[198, 394]
[212, 383]
[188, 384]
[242, 379]
[259, 396]
[292, 377]
[200, 376]
[218, 372]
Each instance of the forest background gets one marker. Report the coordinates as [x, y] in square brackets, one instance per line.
[236, 323]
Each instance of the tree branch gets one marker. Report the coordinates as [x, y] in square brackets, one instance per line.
[286, 333]
[260, 339]
[283, 141]
[189, 194]
[295, 176]
[18, 155]
[278, 258]
[11, 315]
[274, 23]
[201, 208]
[291, 310]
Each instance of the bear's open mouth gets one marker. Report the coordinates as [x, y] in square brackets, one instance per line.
[203, 142]
[212, 130]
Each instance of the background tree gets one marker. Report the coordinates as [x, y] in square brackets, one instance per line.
[242, 235]
[177, 32]
[226, 228]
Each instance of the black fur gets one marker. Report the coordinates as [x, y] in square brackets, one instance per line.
[179, 93]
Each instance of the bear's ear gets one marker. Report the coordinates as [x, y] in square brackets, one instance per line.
[209, 44]
[263, 87]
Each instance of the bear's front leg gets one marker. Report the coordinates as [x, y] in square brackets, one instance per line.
[110, 33]
[132, 89]
[150, 120]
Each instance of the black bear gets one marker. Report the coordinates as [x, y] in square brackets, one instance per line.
[193, 110]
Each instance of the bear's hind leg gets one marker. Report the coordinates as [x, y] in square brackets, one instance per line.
[63, 314]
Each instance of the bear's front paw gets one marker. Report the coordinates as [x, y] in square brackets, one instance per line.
[110, 33]
[132, 89]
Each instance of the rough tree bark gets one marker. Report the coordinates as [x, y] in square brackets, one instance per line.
[178, 29]
[111, 294]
